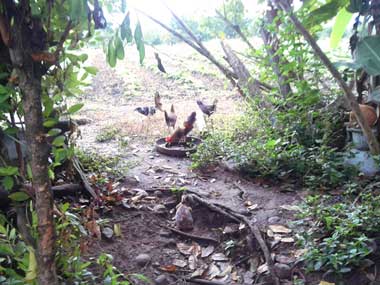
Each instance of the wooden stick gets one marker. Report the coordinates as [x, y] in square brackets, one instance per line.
[83, 177]
[204, 281]
[371, 139]
[196, 237]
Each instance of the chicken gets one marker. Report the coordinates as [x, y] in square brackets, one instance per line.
[179, 136]
[157, 101]
[207, 109]
[170, 118]
[146, 111]
[159, 63]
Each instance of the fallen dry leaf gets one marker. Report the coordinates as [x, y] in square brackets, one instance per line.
[206, 251]
[279, 229]
[117, 230]
[179, 263]
[212, 271]
[219, 257]
[326, 283]
[93, 229]
[262, 268]
[287, 239]
[192, 262]
[169, 268]
[290, 207]
[252, 207]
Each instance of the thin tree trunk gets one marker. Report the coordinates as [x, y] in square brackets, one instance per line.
[371, 139]
[271, 43]
[30, 75]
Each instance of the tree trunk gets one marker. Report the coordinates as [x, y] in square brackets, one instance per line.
[30, 75]
[271, 43]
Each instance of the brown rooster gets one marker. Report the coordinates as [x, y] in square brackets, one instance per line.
[170, 118]
[179, 136]
[207, 109]
[157, 101]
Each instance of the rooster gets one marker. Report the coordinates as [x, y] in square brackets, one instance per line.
[170, 118]
[157, 101]
[179, 136]
[207, 109]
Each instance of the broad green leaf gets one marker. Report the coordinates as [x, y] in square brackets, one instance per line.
[8, 171]
[341, 22]
[91, 69]
[59, 141]
[367, 54]
[6, 249]
[139, 42]
[11, 131]
[8, 182]
[19, 196]
[324, 13]
[31, 274]
[29, 171]
[78, 10]
[111, 54]
[75, 108]
[125, 29]
[119, 48]
[50, 123]
[53, 132]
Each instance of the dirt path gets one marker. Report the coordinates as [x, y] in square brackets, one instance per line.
[109, 105]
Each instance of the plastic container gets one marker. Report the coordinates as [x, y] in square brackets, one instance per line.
[363, 160]
[358, 139]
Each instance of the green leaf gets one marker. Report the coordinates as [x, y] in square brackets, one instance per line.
[19, 196]
[8, 182]
[59, 141]
[75, 108]
[119, 48]
[341, 22]
[139, 42]
[125, 29]
[324, 13]
[91, 69]
[31, 274]
[29, 171]
[54, 132]
[111, 54]
[50, 123]
[367, 54]
[8, 171]
[141, 277]
[78, 10]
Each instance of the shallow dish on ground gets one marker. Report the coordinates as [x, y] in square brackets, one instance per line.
[178, 150]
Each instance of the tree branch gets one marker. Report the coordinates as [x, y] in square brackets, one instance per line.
[64, 36]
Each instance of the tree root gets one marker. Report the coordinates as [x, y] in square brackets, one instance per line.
[192, 236]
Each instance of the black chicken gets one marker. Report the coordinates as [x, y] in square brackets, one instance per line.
[207, 109]
[159, 63]
[146, 111]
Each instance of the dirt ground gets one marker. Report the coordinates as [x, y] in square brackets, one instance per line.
[109, 105]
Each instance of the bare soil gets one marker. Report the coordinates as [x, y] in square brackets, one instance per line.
[109, 104]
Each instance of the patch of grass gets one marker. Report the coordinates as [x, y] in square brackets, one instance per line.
[107, 134]
[93, 162]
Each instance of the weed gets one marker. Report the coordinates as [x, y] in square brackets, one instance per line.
[94, 162]
[107, 134]
[339, 235]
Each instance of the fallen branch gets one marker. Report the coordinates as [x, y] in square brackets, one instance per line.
[371, 139]
[83, 177]
[66, 189]
[192, 236]
[254, 230]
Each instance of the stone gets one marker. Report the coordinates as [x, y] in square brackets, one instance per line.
[285, 259]
[142, 259]
[159, 209]
[274, 220]
[158, 193]
[283, 271]
[107, 232]
[161, 280]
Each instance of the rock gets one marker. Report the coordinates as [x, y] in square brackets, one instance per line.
[285, 259]
[283, 271]
[161, 280]
[183, 218]
[142, 259]
[164, 233]
[158, 193]
[107, 232]
[159, 209]
[274, 220]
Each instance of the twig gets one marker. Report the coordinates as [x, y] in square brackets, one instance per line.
[204, 282]
[83, 177]
[64, 36]
[196, 237]
[237, 29]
